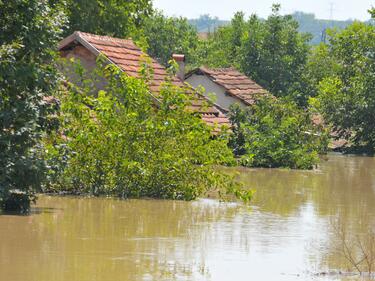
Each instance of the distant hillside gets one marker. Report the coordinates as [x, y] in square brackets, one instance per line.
[307, 23]
[206, 23]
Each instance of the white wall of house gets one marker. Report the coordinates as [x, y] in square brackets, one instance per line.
[222, 98]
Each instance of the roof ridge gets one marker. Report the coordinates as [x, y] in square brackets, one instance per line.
[104, 37]
[230, 68]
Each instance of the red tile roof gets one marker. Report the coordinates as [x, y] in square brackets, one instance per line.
[216, 121]
[125, 54]
[234, 82]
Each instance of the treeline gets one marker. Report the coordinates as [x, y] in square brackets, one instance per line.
[60, 136]
[307, 23]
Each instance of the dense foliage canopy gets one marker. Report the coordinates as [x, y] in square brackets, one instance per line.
[307, 23]
[106, 17]
[29, 31]
[346, 89]
[276, 133]
[165, 36]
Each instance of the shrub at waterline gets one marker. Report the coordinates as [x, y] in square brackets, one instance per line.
[117, 142]
[276, 133]
[29, 31]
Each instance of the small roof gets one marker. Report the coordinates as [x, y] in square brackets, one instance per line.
[234, 82]
[129, 57]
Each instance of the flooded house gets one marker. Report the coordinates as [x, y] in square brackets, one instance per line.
[227, 84]
[125, 54]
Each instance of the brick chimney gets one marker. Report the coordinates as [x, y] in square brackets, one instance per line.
[180, 59]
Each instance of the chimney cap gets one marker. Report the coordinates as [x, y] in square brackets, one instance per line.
[178, 57]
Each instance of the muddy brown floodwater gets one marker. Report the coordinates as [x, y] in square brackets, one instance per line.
[286, 234]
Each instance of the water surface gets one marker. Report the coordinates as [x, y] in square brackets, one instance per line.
[288, 233]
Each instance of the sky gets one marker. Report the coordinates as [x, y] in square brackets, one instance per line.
[224, 9]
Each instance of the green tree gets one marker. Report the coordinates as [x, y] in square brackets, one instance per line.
[214, 51]
[346, 96]
[275, 54]
[167, 35]
[372, 13]
[29, 31]
[276, 133]
[237, 30]
[319, 66]
[107, 17]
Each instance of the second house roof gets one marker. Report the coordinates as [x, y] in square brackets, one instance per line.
[234, 82]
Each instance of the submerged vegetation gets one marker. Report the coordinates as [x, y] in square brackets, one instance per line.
[116, 142]
[357, 251]
[276, 133]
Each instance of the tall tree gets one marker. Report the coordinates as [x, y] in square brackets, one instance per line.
[346, 96]
[107, 17]
[167, 35]
[275, 53]
[372, 13]
[237, 32]
[29, 31]
[214, 51]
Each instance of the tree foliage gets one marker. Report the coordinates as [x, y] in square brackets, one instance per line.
[276, 133]
[346, 93]
[307, 23]
[167, 35]
[107, 17]
[372, 13]
[29, 30]
[214, 51]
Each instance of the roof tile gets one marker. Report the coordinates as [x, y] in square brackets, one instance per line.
[235, 83]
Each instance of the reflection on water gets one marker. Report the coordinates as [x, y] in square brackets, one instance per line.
[286, 235]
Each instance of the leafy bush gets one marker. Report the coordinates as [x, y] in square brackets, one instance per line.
[276, 133]
[117, 142]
